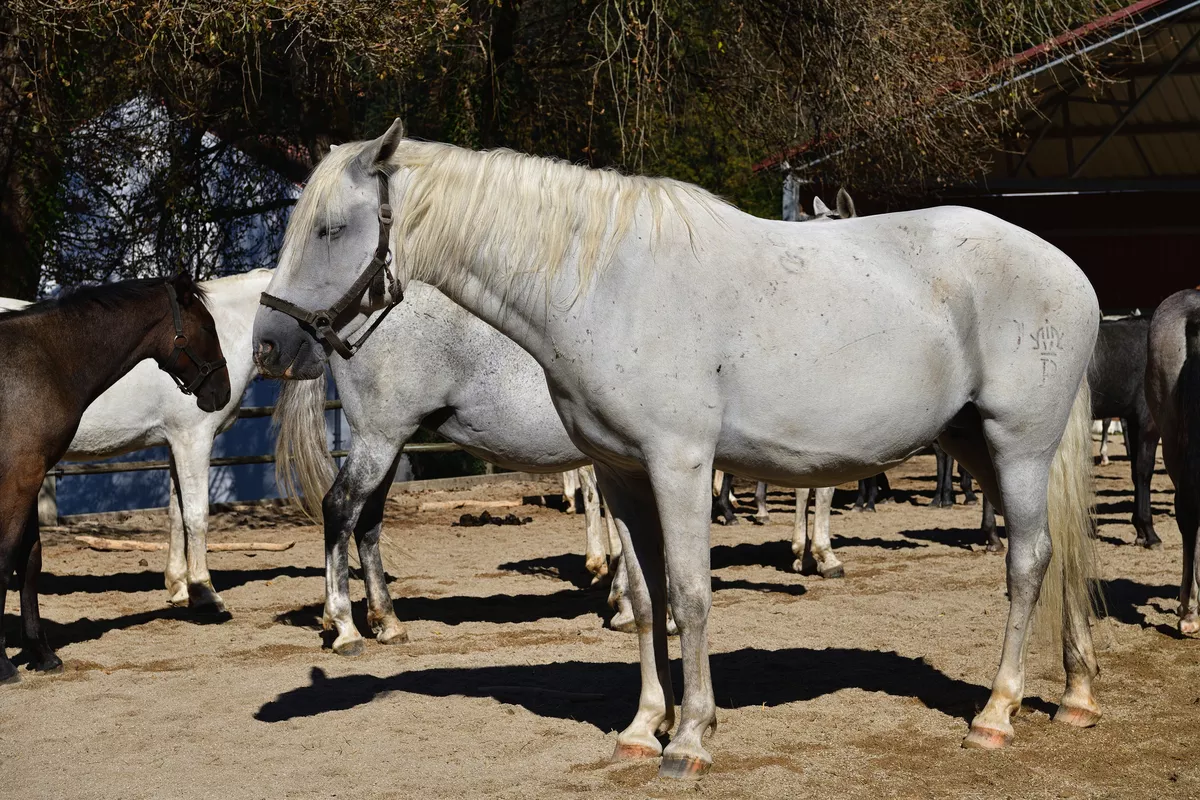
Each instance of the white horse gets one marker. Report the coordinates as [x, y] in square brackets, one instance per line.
[146, 409]
[430, 364]
[678, 334]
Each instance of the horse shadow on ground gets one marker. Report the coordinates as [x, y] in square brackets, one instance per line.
[963, 538]
[1122, 597]
[744, 678]
[86, 629]
[508, 608]
[152, 581]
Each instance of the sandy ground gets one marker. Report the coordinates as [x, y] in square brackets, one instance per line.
[510, 687]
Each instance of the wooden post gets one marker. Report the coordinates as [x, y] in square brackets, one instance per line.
[47, 502]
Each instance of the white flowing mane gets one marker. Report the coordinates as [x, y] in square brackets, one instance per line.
[520, 214]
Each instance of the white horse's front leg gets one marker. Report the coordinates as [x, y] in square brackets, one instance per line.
[631, 501]
[176, 573]
[571, 486]
[680, 492]
[191, 459]
[596, 558]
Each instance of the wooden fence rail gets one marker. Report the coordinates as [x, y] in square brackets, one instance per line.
[47, 500]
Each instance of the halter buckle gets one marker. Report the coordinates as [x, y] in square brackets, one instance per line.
[181, 340]
[385, 213]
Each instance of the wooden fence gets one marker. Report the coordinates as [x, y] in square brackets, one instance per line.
[47, 498]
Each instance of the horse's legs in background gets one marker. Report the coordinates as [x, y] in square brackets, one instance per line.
[570, 480]
[1141, 442]
[822, 548]
[761, 514]
[867, 491]
[988, 526]
[725, 501]
[681, 497]
[943, 492]
[1104, 423]
[884, 487]
[618, 591]
[964, 481]
[596, 555]
[189, 476]
[1187, 514]
[366, 468]
[29, 571]
[176, 573]
[801, 544]
[381, 614]
[631, 500]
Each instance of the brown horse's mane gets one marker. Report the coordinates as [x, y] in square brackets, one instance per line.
[106, 296]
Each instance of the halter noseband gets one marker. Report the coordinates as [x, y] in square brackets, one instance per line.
[376, 277]
[181, 347]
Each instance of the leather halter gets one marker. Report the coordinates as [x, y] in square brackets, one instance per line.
[181, 347]
[376, 278]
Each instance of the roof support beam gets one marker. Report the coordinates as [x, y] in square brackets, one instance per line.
[1179, 58]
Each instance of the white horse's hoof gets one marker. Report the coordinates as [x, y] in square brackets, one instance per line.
[177, 594]
[623, 622]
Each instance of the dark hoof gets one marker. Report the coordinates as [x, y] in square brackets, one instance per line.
[857, 509]
[1149, 544]
[350, 649]
[682, 768]
[728, 522]
[760, 520]
[8, 672]
[49, 663]
[837, 572]
[970, 501]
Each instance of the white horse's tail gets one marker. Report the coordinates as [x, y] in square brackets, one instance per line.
[1070, 581]
[303, 469]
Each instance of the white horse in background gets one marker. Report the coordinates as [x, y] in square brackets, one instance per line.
[677, 334]
[146, 409]
[430, 364]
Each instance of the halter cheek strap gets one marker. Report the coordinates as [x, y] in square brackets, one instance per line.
[376, 278]
[205, 368]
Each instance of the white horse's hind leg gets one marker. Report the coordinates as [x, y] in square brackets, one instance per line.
[680, 490]
[631, 500]
[596, 558]
[176, 572]
[1023, 487]
[618, 590]
[822, 548]
[190, 477]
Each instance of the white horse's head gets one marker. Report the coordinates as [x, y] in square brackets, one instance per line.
[338, 228]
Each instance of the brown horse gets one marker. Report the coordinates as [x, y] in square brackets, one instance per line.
[57, 357]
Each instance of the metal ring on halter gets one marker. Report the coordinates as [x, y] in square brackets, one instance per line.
[321, 322]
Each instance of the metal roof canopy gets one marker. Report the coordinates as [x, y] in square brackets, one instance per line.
[1139, 131]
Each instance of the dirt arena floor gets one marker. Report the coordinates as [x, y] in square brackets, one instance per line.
[510, 686]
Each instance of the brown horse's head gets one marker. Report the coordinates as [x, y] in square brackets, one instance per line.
[192, 350]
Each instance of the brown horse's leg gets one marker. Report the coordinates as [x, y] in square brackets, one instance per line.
[29, 560]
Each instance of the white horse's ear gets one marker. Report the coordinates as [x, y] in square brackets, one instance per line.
[819, 207]
[333, 147]
[380, 151]
[845, 204]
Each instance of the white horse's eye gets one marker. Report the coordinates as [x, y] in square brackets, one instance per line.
[332, 232]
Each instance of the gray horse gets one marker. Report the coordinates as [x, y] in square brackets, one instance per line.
[1173, 394]
[678, 334]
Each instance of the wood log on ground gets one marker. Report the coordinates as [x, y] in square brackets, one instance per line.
[100, 543]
